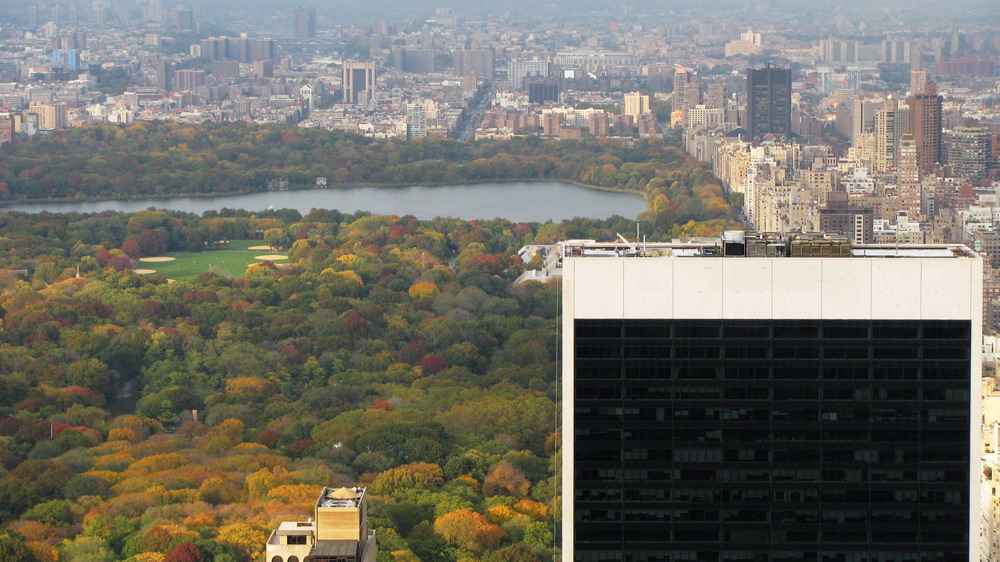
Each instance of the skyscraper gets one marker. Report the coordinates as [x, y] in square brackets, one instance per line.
[968, 151]
[769, 101]
[358, 81]
[305, 23]
[748, 400]
[891, 123]
[925, 126]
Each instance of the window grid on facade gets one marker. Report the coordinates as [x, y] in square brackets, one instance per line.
[771, 440]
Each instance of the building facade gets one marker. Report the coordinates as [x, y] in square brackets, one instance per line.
[769, 101]
[765, 399]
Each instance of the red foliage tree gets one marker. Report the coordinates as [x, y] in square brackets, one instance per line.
[185, 552]
[432, 364]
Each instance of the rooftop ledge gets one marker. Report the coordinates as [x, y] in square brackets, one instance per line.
[737, 244]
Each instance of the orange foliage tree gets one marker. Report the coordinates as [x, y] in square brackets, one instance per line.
[505, 479]
[468, 529]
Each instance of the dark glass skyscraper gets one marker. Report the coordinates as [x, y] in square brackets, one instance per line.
[769, 101]
[770, 408]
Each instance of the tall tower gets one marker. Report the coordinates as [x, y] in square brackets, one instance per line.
[891, 123]
[769, 101]
[925, 126]
[749, 400]
[305, 23]
[358, 81]
[908, 178]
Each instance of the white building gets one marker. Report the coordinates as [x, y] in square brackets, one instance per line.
[736, 406]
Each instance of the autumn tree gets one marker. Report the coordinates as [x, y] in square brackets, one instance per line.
[468, 529]
[505, 479]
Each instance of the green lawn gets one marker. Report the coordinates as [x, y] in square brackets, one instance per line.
[234, 257]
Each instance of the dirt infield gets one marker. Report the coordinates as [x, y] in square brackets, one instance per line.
[271, 257]
[144, 271]
[258, 248]
[159, 259]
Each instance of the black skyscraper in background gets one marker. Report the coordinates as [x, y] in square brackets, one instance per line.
[769, 101]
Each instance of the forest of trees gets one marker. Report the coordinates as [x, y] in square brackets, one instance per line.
[388, 352]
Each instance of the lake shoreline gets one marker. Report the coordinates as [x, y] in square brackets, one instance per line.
[332, 187]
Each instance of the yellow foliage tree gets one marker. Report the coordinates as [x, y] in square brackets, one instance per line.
[259, 483]
[536, 510]
[246, 539]
[423, 290]
[501, 513]
[405, 556]
[231, 429]
[407, 476]
[296, 493]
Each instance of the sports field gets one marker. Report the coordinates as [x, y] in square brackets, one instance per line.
[233, 257]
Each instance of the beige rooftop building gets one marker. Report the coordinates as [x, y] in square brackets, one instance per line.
[338, 532]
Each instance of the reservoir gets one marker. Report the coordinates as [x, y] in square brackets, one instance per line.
[515, 201]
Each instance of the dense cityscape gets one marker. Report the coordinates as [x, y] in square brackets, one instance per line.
[298, 384]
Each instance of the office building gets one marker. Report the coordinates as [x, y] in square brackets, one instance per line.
[164, 75]
[968, 151]
[358, 81]
[925, 126]
[863, 119]
[758, 398]
[769, 101]
[338, 532]
[542, 90]
[412, 59]
[305, 23]
[636, 104]
[480, 63]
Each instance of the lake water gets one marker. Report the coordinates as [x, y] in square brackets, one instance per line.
[516, 201]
